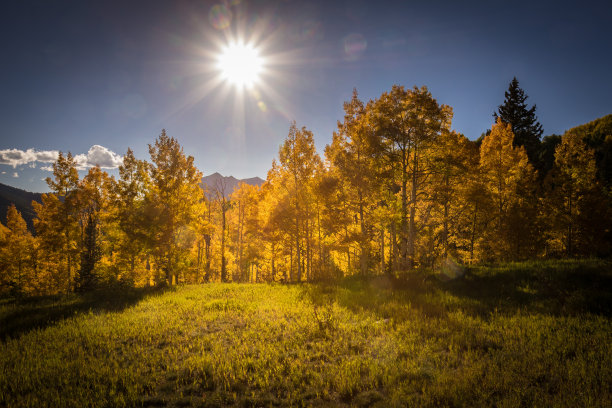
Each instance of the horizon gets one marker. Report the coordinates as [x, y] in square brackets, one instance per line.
[114, 172]
[97, 78]
[203, 177]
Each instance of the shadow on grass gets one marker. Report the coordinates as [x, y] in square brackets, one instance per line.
[19, 316]
[560, 288]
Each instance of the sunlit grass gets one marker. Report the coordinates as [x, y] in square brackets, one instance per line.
[536, 334]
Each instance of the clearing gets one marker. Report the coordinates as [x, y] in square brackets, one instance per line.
[524, 334]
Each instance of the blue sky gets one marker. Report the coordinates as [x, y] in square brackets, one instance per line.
[97, 77]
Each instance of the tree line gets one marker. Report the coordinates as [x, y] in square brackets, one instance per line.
[396, 190]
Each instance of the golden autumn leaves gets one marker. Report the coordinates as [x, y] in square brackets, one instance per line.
[395, 190]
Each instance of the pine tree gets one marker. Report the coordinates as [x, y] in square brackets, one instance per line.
[90, 255]
[93, 196]
[524, 122]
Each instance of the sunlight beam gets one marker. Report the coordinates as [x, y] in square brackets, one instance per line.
[240, 64]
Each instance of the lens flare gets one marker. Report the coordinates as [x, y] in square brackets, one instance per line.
[220, 16]
[354, 46]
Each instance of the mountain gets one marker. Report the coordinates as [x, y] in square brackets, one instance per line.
[226, 185]
[22, 200]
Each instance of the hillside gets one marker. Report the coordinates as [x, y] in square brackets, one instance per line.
[530, 334]
[598, 136]
[226, 184]
[22, 200]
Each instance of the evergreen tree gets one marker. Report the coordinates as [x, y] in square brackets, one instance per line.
[93, 196]
[524, 122]
[90, 255]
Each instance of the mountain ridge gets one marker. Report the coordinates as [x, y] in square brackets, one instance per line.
[23, 198]
[225, 184]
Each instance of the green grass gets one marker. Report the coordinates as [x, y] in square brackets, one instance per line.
[531, 334]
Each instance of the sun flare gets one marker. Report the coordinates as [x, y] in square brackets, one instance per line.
[240, 64]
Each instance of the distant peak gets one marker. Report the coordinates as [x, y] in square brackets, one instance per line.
[229, 183]
[256, 179]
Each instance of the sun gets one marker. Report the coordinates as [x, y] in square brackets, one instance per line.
[240, 64]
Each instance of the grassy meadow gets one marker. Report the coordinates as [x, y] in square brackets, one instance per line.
[524, 334]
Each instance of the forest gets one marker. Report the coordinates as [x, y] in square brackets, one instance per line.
[396, 191]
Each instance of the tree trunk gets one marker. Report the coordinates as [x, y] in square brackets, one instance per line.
[404, 227]
[223, 269]
[570, 226]
[393, 258]
[308, 254]
[291, 264]
[445, 232]
[297, 246]
[198, 261]
[207, 239]
[473, 234]
[382, 248]
[364, 259]
[240, 227]
[413, 203]
[168, 268]
[320, 248]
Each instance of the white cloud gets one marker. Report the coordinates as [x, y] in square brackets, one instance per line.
[4, 172]
[15, 174]
[96, 156]
[47, 156]
[16, 157]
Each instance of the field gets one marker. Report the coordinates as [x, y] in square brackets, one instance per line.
[531, 334]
